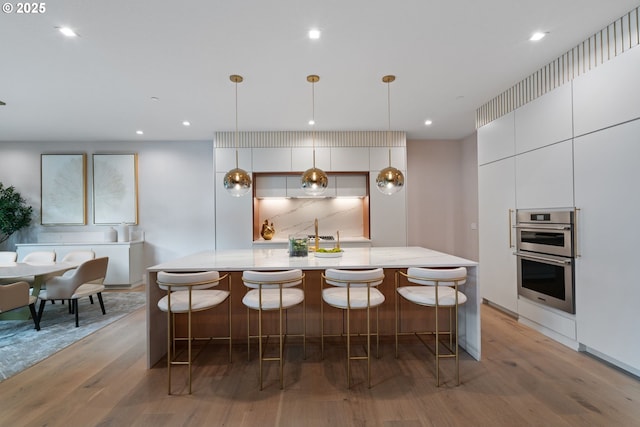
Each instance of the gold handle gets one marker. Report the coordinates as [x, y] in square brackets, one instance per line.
[575, 234]
[510, 229]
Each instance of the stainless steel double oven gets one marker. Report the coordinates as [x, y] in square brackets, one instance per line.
[546, 255]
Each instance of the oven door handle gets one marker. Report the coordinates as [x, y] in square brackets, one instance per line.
[565, 261]
[543, 227]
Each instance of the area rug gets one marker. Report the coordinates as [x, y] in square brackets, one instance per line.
[21, 346]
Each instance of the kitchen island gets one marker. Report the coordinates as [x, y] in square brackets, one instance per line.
[237, 261]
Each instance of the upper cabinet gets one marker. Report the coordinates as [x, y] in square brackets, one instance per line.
[271, 159]
[225, 159]
[346, 159]
[544, 121]
[496, 140]
[608, 94]
[302, 158]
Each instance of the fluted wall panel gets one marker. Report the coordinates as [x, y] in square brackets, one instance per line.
[619, 36]
[305, 139]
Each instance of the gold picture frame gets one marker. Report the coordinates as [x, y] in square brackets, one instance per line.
[115, 188]
[63, 189]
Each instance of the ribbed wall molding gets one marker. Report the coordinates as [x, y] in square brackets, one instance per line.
[304, 139]
[613, 40]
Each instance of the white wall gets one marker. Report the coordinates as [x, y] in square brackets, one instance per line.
[175, 191]
[442, 199]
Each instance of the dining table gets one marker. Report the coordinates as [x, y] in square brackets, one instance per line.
[35, 273]
[235, 261]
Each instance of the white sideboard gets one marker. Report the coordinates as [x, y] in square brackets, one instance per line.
[125, 268]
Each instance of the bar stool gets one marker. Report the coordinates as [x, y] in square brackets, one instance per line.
[270, 291]
[353, 290]
[188, 293]
[438, 287]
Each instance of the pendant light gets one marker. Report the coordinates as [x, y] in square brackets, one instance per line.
[390, 180]
[237, 181]
[314, 181]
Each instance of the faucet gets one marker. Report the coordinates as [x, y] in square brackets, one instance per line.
[315, 224]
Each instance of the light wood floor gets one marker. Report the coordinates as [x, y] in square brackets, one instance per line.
[524, 379]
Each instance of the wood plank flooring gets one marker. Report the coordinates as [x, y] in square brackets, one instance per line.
[524, 379]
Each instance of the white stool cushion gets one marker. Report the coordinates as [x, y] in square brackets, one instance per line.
[201, 299]
[337, 297]
[271, 298]
[429, 276]
[87, 289]
[272, 279]
[376, 276]
[209, 279]
[426, 295]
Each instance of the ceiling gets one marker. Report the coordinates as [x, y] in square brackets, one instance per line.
[450, 57]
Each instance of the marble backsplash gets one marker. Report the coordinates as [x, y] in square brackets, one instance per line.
[296, 216]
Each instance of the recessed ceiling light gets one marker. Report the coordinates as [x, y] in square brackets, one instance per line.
[186, 123]
[67, 31]
[312, 122]
[139, 132]
[537, 36]
[428, 122]
[3, 103]
[314, 34]
[155, 98]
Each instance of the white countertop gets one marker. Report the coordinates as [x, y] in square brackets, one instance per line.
[274, 259]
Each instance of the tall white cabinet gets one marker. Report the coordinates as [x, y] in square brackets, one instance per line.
[497, 196]
[608, 292]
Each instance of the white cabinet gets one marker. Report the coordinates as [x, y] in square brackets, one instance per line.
[351, 185]
[125, 258]
[388, 222]
[607, 290]
[496, 139]
[271, 159]
[350, 159]
[234, 216]
[226, 159]
[270, 186]
[302, 158]
[608, 94]
[544, 177]
[496, 194]
[544, 121]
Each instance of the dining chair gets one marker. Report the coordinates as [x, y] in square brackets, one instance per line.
[437, 288]
[353, 290]
[275, 291]
[78, 257]
[8, 257]
[16, 295]
[40, 257]
[188, 293]
[67, 287]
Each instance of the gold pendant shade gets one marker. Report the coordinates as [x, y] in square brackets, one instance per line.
[237, 181]
[390, 180]
[314, 181]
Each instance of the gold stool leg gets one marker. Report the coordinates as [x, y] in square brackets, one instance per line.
[189, 343]
[348, 346]
[437, 346]
[169, 342]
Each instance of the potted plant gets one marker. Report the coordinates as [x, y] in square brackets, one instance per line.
[15, 214]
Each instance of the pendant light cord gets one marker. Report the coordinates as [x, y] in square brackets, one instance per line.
[313, 119]
[236, 135]
[389, 119]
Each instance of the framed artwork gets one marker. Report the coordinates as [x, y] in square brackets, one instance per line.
[63, 189]
[115, 188]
